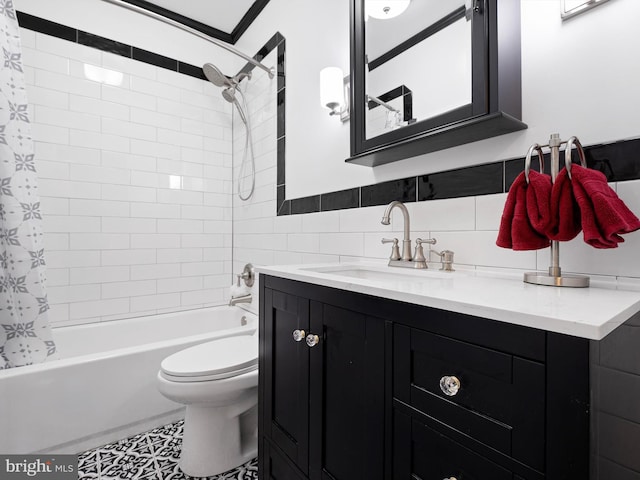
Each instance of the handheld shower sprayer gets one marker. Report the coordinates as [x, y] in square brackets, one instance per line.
[230, 86]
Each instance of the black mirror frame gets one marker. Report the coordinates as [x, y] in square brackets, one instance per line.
[496, 106]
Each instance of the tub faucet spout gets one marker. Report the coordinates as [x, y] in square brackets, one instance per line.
[242, 299]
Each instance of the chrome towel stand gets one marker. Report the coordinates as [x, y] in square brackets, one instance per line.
[554, 277]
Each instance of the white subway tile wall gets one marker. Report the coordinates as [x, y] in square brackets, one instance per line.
[135, 183]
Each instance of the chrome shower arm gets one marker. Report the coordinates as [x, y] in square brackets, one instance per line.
[382, 104]
[173, 23]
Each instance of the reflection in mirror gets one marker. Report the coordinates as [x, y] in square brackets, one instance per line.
[389, 111]
[571, 8]
[424, 53]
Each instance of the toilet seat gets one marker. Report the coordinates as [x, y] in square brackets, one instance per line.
[215, 360]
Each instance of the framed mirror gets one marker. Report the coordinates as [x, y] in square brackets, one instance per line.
[439, 74]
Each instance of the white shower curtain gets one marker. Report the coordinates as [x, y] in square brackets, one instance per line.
[25, 336]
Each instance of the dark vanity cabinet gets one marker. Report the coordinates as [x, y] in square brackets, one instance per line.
[390, 390]
[322, 393]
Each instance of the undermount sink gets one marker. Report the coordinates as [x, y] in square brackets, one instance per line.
[379, 273]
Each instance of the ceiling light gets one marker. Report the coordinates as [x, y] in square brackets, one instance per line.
[384, 9]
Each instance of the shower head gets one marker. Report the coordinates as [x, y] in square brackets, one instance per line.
[229, 94]
[215, 76]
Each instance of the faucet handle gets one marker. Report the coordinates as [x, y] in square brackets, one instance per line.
[418, 256]
[430, 241]
[248, 275]
[395, 251]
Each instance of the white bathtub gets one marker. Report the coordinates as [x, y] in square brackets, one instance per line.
[103, 388]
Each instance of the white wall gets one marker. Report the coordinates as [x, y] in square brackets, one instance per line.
[135, 184]
[579, 78]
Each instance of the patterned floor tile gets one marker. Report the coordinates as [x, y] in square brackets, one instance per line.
[151, 455]
[88, 457]
[85, 469]
[130, 464]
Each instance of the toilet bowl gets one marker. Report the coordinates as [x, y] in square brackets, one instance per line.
[218, 383]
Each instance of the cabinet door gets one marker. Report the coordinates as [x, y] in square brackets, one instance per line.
[347, 410]
[277, 466]
[285, 365]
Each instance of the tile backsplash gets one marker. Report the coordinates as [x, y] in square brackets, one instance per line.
[134, 165]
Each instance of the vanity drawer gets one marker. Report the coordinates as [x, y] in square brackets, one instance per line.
[425, 454]
[494, 397]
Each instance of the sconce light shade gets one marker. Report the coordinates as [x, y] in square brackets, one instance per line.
[384, 9]
[332, 89]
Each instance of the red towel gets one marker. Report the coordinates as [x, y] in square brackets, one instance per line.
[565, 213]
[538, 202]
[516, 231]
[604, 216]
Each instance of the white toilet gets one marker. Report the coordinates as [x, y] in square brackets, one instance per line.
[218, 382]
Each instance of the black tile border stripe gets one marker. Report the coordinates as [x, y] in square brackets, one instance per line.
[41, 25]
[465, 182]
[383, 193]
[154, 59]
[305, 205]
[104, 44]
[618, 160]
[341, 200]
[283, 206]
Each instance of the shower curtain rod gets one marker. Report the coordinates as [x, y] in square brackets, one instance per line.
[192, 31]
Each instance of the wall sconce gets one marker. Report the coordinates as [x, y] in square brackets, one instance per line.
[384, 9]
[334, 92]
[571, 8]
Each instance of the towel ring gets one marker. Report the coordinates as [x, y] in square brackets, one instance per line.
[567, 155]
[527, 162]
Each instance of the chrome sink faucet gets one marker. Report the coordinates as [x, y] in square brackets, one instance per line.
[418, 260]
[406, 241]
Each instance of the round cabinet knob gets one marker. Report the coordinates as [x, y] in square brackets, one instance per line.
[450, 385]
[298, 335]
[312, 340]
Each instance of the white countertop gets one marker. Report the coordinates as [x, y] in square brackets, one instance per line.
[582, 312]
